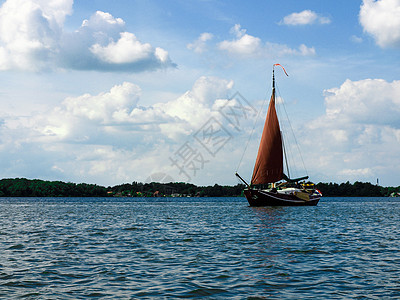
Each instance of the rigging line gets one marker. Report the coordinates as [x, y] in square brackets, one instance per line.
[294, 136]
[285, 139]
[290, 160]
[252, 131]
[287, 150]
[284, 152]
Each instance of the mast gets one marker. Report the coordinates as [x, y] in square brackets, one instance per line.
[283, 141]
[269, 163]
[273, 79]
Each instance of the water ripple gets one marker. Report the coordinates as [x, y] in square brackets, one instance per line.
[198, 248]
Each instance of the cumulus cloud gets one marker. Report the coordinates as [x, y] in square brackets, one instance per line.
[103, 44]
[200, 45]
[306, 17]
[104, 106]
[244, 44]
[30, 32]
[118, 111]
[126, 50]
[358, 137]
[32, 37]
[110, 133]
[381, 19]
[369, 101]
[250, 46]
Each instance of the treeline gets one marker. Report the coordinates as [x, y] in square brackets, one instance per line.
[175, 189]
[357, 189]
[21, 187]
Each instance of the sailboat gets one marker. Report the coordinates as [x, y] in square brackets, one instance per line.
[268, 169]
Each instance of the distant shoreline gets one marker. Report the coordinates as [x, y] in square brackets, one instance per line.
[22, 187]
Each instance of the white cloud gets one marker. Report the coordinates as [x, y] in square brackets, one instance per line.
[103, 21]
[356, 173]
[279, 50]
[30, 32]
[306, 17]
[244, 44]
[126, 50]
[369, 101]
[107, 138]
[88, 119]
[358, 137]
[162, 55]
[103, 107]
[200, 45]
[195, 106]
[381, 19]
[109, 111]
[103, 44]
[356, 39]
[250, 46]
[32, 37]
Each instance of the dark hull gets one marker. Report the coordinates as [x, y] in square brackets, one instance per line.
[264, 198]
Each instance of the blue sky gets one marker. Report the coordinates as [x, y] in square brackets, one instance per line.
[109, 92]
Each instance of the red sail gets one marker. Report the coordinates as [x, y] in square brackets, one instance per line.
[269, 162]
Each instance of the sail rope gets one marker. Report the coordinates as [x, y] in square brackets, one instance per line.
[252, 131]
[294, 136]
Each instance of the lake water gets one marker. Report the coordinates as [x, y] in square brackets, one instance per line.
[130, 248]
